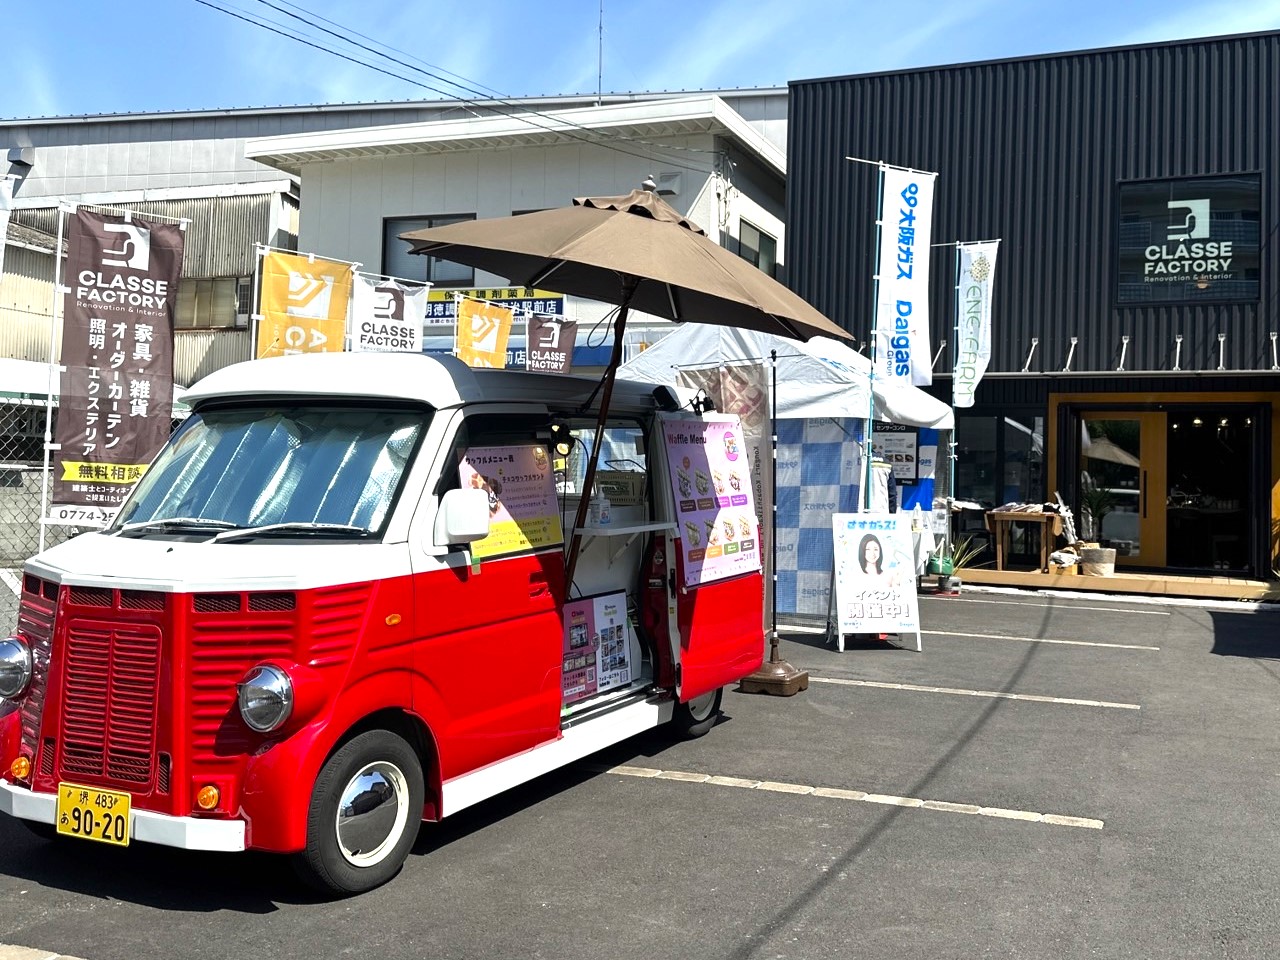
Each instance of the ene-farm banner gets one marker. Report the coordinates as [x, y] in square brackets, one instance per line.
[116, 402]
[973, 318]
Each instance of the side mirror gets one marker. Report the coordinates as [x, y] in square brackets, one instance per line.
[463, 517]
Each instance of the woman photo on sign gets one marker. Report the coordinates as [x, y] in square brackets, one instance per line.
[871, 560]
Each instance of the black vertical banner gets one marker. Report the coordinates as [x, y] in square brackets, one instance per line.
[116, 401]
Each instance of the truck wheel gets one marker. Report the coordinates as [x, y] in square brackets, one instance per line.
[699, 715]
[364, 816]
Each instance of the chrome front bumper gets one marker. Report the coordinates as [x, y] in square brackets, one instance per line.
[187, 833]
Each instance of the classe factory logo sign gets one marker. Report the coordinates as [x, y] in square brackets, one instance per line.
[1189, 240]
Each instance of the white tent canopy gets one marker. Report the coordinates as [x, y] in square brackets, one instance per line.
[816, 378]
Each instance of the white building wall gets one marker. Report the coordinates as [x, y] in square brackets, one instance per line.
[345, 202]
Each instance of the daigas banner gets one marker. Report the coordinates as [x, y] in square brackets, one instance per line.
[304, 304]
[902, 307]
[387, 315]
[973, 318]
[117, 346]
[481, 333]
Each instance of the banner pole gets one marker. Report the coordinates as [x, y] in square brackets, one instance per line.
[53, 373]
[875, 339]
[951, 441]
[255, 312]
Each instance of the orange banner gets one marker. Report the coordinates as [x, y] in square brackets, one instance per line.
[482, 333]
[304, 304]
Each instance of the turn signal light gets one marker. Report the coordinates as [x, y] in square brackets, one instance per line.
[207, 798]
[20, 769]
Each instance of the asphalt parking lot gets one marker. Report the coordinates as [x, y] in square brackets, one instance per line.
[1051, 777]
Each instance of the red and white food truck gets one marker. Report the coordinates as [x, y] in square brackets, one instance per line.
[335, 606]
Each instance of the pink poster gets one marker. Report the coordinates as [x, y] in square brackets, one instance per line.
[597, 646]
[711, 483]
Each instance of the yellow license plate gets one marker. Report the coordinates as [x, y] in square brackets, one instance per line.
[101, 815]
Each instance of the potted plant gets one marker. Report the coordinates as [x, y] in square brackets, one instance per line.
[949, 559]
[1095, 502]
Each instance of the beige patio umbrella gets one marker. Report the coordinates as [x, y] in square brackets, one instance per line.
[638, 252]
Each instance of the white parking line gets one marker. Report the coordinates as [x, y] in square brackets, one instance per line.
[1066, 607]
[992, 694]
[832, 793]
[1074, 643]
[12, 581]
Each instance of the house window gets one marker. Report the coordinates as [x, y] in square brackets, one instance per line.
[397, 261]
[208, 304]
[757, 247]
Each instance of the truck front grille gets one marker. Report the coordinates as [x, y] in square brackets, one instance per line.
[109, 701]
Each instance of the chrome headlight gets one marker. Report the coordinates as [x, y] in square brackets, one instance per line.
[266, 698]
[15, 666]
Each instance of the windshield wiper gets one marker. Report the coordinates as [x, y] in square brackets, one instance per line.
[202, 523]
[294, 526]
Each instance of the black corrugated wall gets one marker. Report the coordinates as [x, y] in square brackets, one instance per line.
[1031, 151]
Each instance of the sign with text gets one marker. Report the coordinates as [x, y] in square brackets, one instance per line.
[1193, 239]
[898, 446]
[523, 511]
[973, 318]
[116, 399]
[902, 350]
[387, 314]
[597, 646]
[481, 334]
[442, 305]
[549, 344]
[875, 573]
[710, 480]
[303, 304]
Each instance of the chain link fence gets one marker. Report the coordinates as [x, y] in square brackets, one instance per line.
[22, 425]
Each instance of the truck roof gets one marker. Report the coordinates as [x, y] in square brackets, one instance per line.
[437, 381]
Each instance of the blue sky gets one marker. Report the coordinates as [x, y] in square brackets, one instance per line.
[90, 56]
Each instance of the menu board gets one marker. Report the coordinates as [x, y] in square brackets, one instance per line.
[597, 646]
[523, 512]
[897, 446]
[711, 483]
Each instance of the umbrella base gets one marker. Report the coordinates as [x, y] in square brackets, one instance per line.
[776, 677]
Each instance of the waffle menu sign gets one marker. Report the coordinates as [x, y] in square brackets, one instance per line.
[1193, 239]
[116, 399]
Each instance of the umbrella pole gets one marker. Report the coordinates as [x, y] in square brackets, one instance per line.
[775, 676]
[606, 394]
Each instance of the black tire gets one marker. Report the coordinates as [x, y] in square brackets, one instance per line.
[366, 847]
[699, 715]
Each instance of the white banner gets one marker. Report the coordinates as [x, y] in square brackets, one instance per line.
[902, 308]
[973, 318]
[6, 201]
[387, 315]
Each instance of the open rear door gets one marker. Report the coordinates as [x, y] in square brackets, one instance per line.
[715, 556]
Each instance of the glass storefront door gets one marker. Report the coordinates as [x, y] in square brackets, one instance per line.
[1122, 484]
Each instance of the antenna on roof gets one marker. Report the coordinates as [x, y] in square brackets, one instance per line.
[600, 57]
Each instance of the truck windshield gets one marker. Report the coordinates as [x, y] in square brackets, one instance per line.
[290, 470]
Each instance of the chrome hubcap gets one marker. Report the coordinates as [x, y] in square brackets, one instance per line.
[701, 707]
[372, 813]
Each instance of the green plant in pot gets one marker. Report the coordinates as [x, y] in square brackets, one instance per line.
[952, 557]
[1095, 502]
